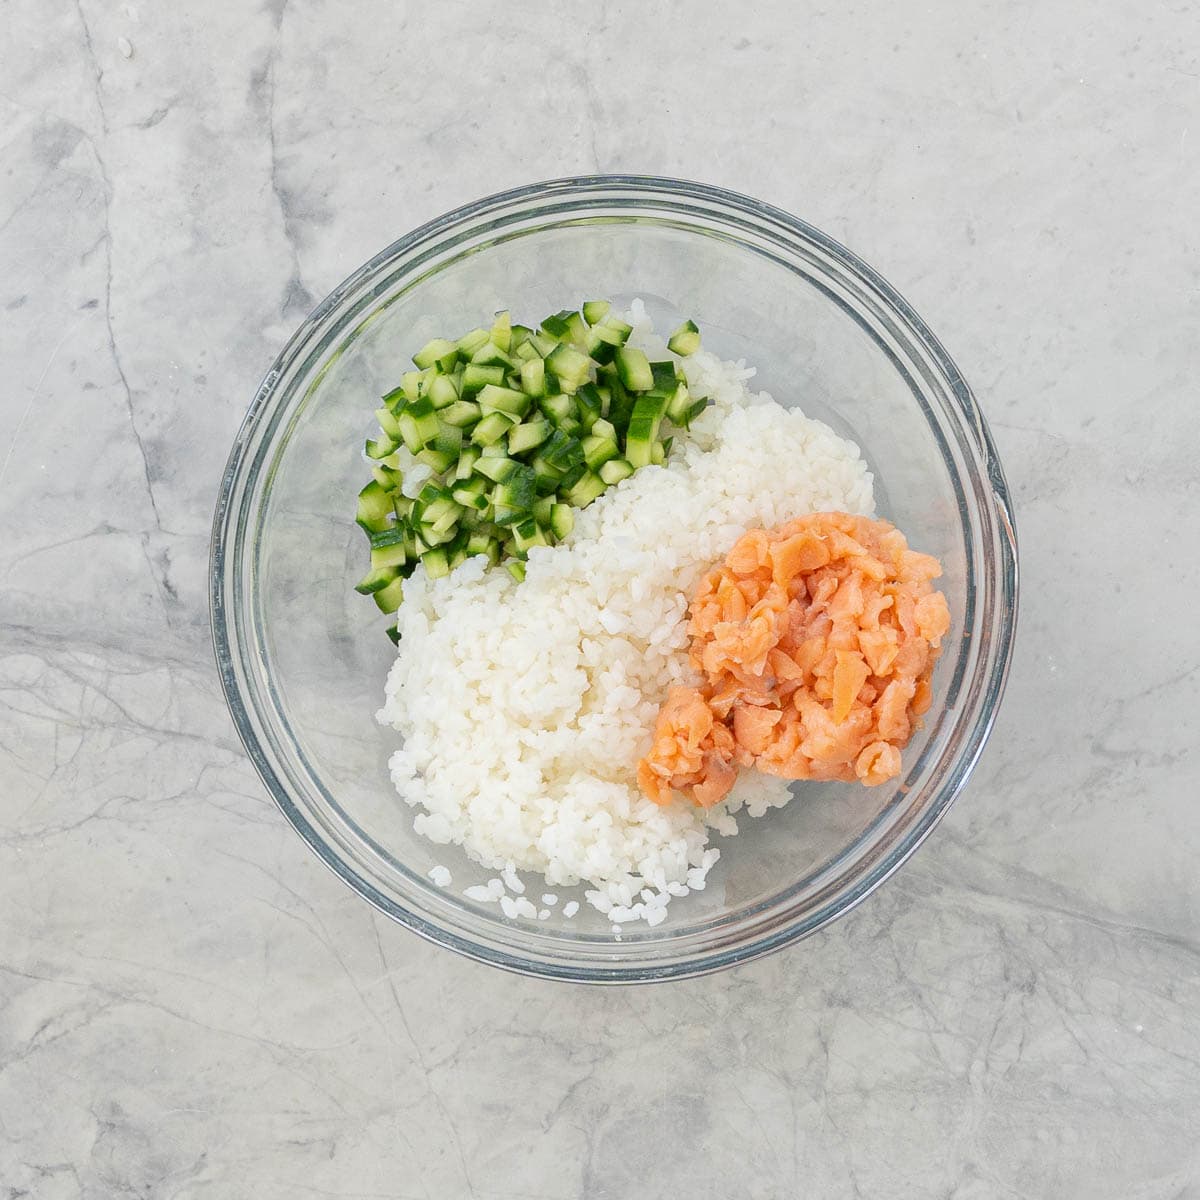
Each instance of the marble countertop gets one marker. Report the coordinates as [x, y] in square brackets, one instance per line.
[193, 1008]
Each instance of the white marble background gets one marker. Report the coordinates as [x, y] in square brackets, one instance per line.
[192, 1008]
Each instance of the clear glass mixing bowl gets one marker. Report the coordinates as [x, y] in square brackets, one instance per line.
[303, 658]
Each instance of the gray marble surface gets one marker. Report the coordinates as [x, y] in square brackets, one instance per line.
[192, 1007]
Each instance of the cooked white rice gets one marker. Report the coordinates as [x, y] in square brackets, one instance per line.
[525, 708]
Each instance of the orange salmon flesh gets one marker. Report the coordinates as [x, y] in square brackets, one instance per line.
[816, 641]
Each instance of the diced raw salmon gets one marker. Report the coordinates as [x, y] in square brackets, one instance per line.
[753, 726]
[849, 675]
[879, 762]
[817, 641]
[797, 556]
[933, 617]
[879, 647]
[719, 777]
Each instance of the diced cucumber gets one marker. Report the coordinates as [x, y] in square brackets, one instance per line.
[542, 509]
[516, 569]
[489, 354]
[436, 537]
[533, 377]
[514, 498]
[508, 514]
[572, 477]
[528, 534]
[577, 328]
[442, 391]
[393, 633]
[472, 493]
[389, 597]
[562, 520]
[685, 340]
[493, 399]
[436, 564]
[634, 369]
[615, 470]
[620, 407]
[462, 413]
[436, 460]
[393, 535]
[522, 438]
[507, 478]
[388, 478]
[470, 342]
[617, 327]
[410, 384]
[602, 344]
[409, 432]
[561, 451]
[570, 367]
[449, 437]
[679, 404]
[387, 422]
[433, 512]
[501, 334]
[375, 580]
[643, 430]
[558, 326]
[585, 490]
[395, 555]
[480, 542]
[548, 478]
[559, 408]
[446, 523]
[589, 405]
[496, 469]
[694, 410]
[664, 376]
[418, 424]
[439, 352]
[598, 450]
[466, 463]
[491, 429]
[476, 377]
[431, 491]
[380, 447]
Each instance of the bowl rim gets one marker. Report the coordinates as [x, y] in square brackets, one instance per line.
[997, 660]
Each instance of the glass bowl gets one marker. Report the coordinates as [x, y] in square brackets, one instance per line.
[303, 658]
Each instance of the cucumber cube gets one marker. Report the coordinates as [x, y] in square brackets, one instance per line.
[570, 367]
[388, 598]
[439, 352]
[685, 340]
[633, 367]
